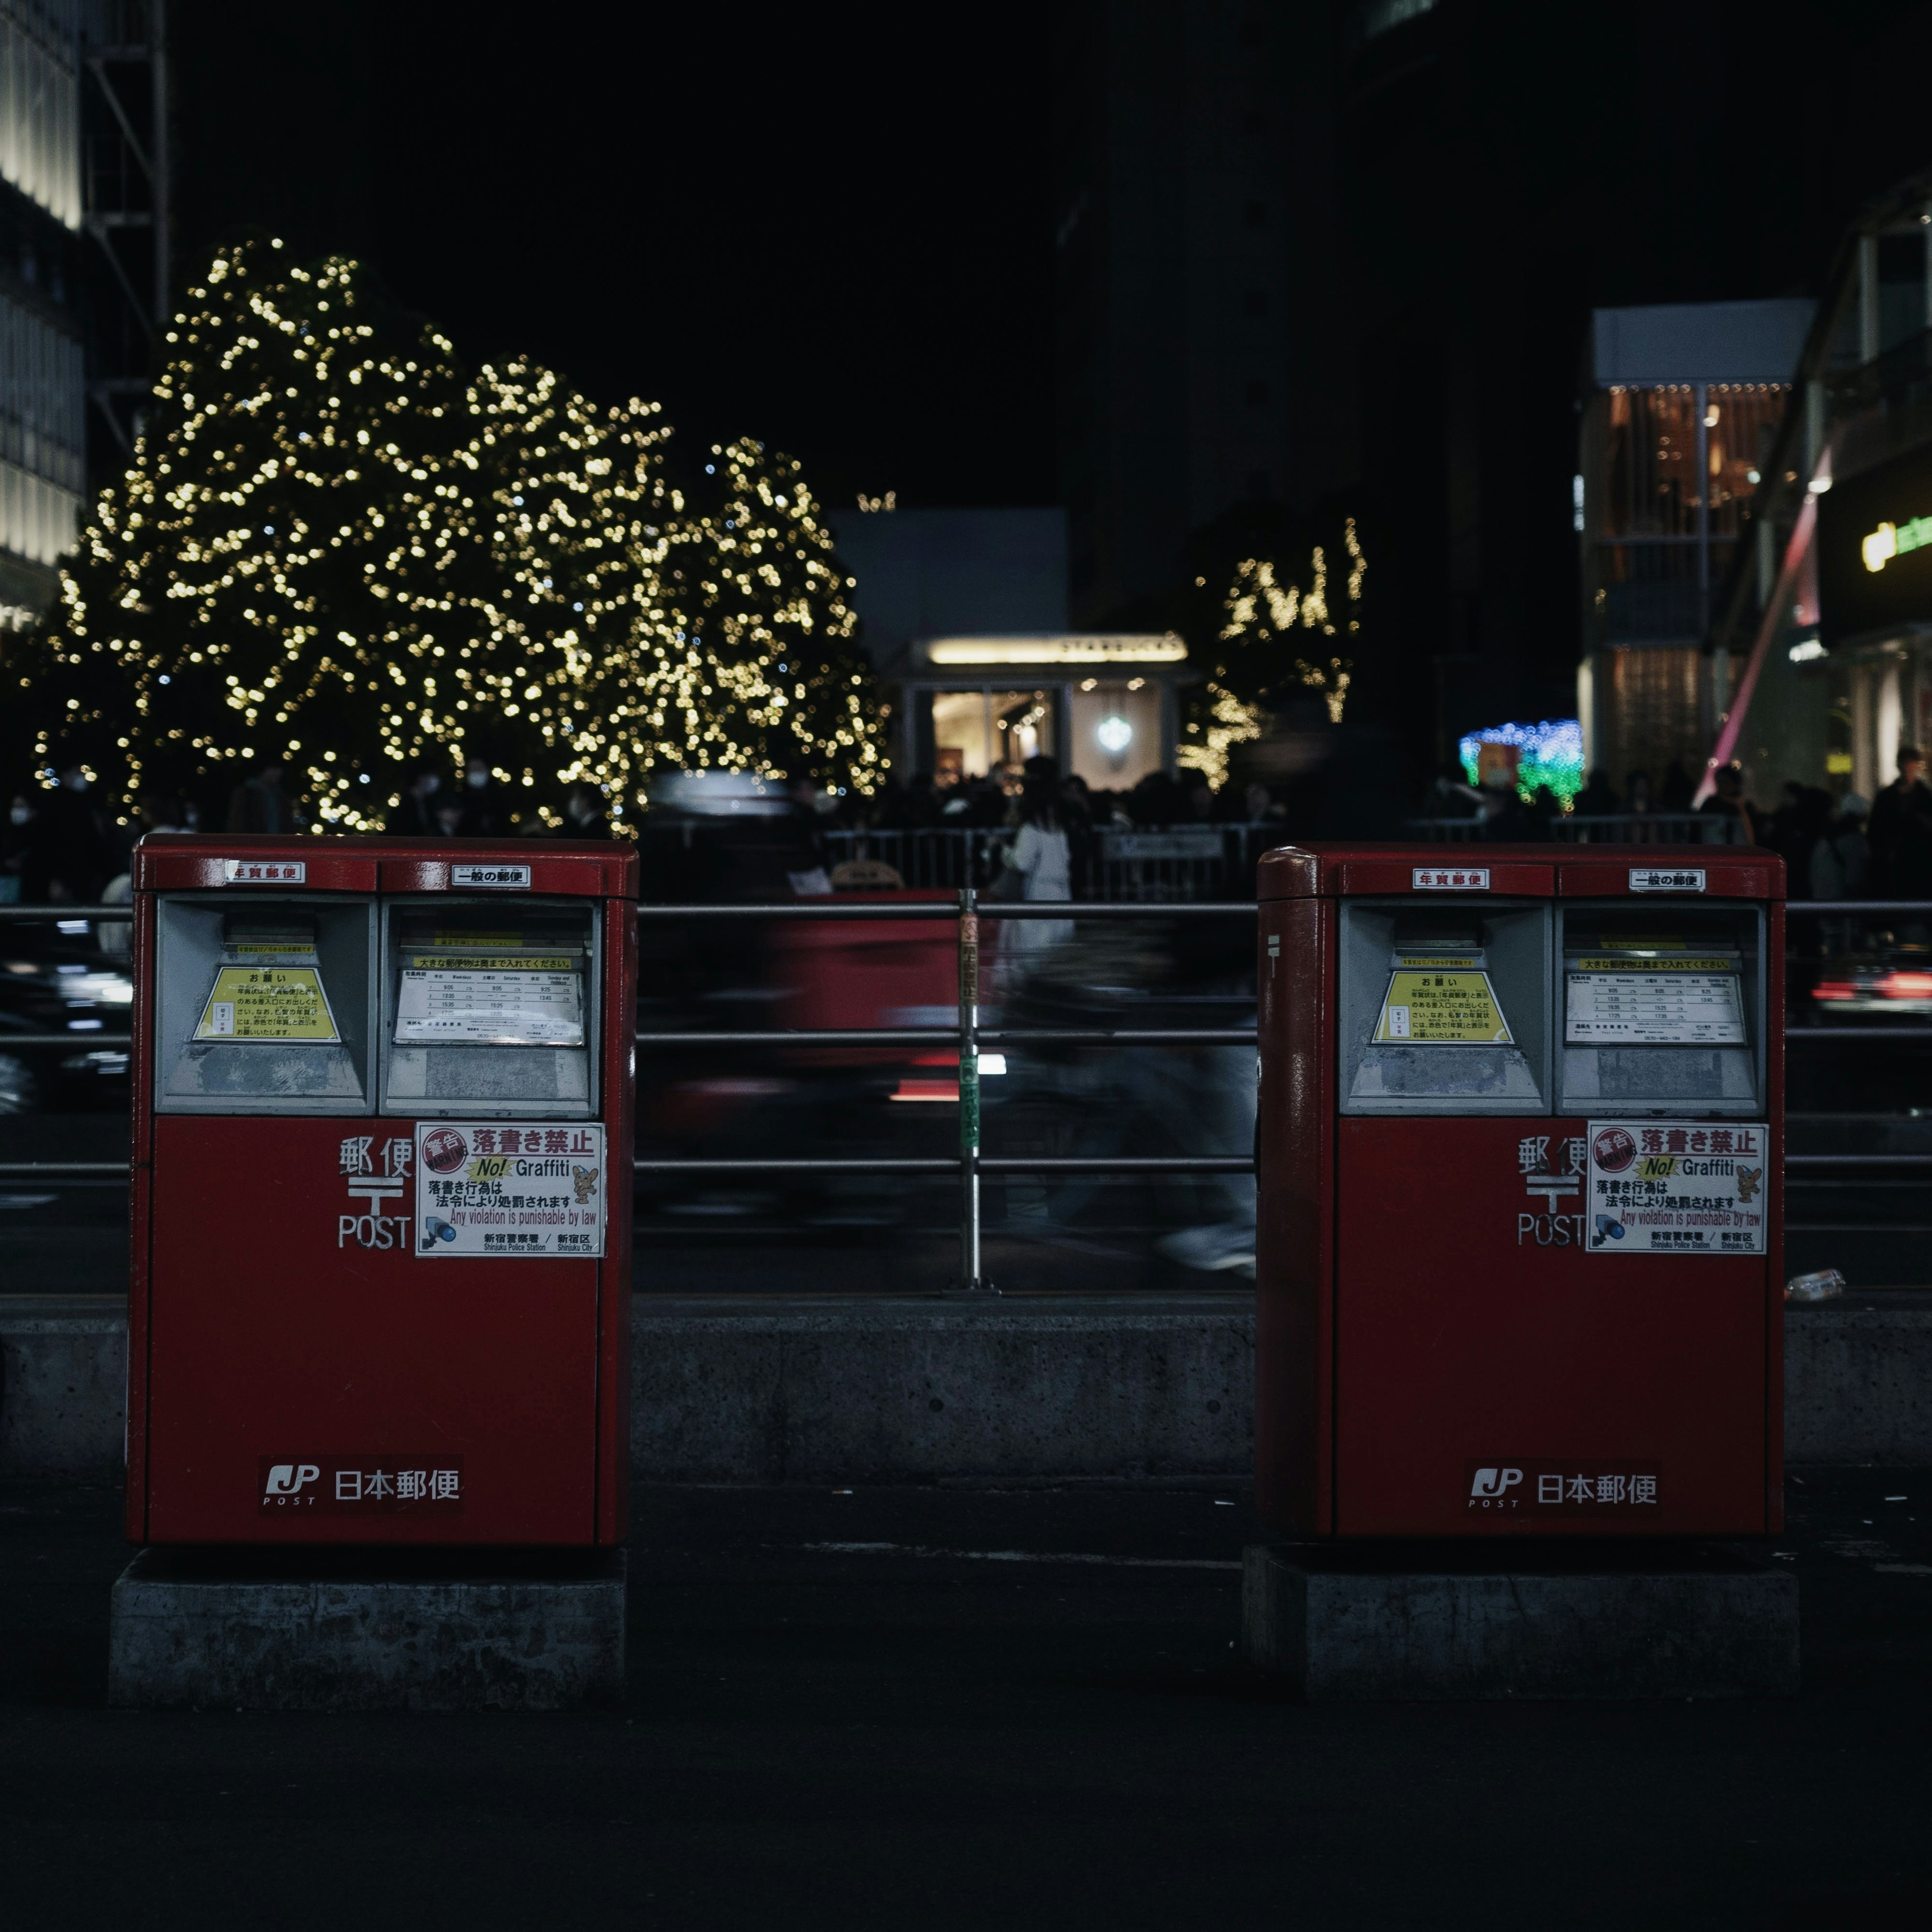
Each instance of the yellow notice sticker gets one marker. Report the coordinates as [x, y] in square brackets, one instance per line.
[281, 949]
[475, 939]
[267, 1003]
[1440, 962]
[1442, 1008]
[1678, 962]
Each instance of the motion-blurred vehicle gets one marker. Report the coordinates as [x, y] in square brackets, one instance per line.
[722, 839]
[1896, 981]
[68, 977]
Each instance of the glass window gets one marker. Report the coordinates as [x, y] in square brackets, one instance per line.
[975, 732]
[1741, 425]
[1116, 732]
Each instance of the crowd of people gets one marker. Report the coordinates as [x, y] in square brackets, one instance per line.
[1833, 848]
[69, 845]
[1843, 847]
[994, 799]
[66, 844]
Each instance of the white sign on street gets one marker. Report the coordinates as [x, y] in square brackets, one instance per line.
[1676, 1187]
[513, 1191]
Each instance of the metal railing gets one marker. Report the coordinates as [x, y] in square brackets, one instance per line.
[1616, 828]
[1167, 863]
[970, 1165]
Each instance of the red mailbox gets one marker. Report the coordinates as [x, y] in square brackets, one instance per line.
[1521, 1138]
[381, 1273]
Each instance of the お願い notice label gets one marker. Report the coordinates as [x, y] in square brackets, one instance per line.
[268, 1003]
[1446, 1008]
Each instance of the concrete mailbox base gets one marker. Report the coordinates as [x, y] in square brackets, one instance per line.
[342, 1630]
[1428, 1621]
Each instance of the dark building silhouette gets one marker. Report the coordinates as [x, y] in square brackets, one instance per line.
[1347, 250]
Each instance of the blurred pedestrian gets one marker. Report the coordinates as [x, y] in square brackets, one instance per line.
[1598, 799]
[1260, 806]
[1840, 858]
[16, 842]
[161, 810]
[258, 803]
[413, 816]
[1506, 819]
[1678, 789]
[1728, 802]
[1042, 855]
[1803, 814]
[584, 815]
[1900, 831]
[71, 858]
[481, 813]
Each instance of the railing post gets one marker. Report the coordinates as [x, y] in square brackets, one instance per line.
[970, 1279]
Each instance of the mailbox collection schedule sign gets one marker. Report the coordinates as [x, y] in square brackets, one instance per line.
[486, 1188]
[1676, 1187]
[1614, 999]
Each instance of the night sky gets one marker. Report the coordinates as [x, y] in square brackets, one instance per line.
[829, 228]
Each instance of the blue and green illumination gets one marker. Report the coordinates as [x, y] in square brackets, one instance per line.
[1549, 754]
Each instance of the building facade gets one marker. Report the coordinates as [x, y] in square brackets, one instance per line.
[42, 378]
[963, 613]
[1680, 406]
[1194, 370]
[1826, 621]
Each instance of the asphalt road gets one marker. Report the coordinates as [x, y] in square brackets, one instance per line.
[913, 1708]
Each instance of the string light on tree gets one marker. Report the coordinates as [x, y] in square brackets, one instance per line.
[333, 546]
[1276, 633]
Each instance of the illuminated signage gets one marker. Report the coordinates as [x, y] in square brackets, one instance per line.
[1165, 648]
[1892, 540]
[1874, 565]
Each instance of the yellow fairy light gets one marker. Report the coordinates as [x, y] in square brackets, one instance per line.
[594, 624]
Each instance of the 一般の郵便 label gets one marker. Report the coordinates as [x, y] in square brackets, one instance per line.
[498, 878]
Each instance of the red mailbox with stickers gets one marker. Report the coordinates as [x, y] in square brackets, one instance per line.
[1521, 1138]
[382, 1256]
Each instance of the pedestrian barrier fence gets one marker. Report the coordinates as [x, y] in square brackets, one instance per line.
[969, 1164]
[1167, 864]
[1619, 828]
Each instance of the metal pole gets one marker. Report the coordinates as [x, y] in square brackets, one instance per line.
[971, 1280]
[161, 183]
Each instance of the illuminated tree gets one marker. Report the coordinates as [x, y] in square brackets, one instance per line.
[762, 625]
[1285, 627]
[331, 546]
[571, 601]
[226, 603]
